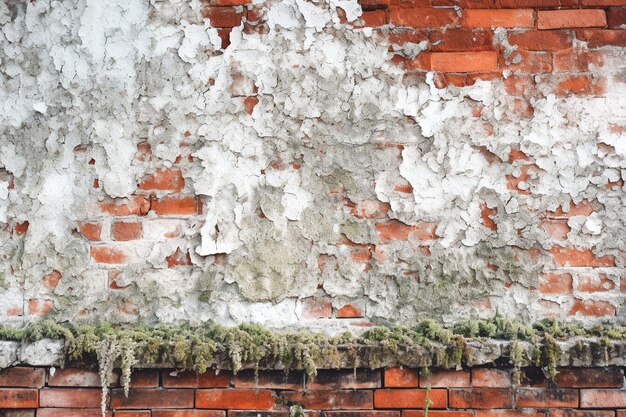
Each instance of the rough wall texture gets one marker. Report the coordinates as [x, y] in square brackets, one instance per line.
[312, 162]
[391, 392]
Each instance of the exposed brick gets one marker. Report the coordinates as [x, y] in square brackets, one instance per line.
[396, 230]
[17, 413]
[460, 40]
[152, 398]
[422, 17]
[531, 62]
[580, 413]
[107, 255]
[602, 2]
[222, 17]
[616, 17]
[591, 308]
[22, 377]
[240, 399]
[491, 378]
[52, 279]
[175, 205]
[269, 380]
[593, 283]
[126, 230]
[555, 283]
[577, 60]
[401, 378]
[510, 413]
[188, 413]
[76, 412]
[446, 378]
[193, 380]
[70, 398]
[316, 308]
[374, 18]
[75, 377]
[370, 209]
[331, 400]
[345, 379]
[145, 378]
[597, 38]
[40, 307]
[134, 206]
[537, 3]
[557, 19]
[480, 398]
[602, 398]
[520, 18]
[579, 257]
[249, 103]
[437, 413]
[483, 61]
[542, 397]
[348, 311]
[21, 228]
[539, 40]
[91, 231]
[556, 229]
[18, 398]
[590, 377]
[409, 398]
[583, 208]
[581, 85]
[364, 413]
[178, 258]
[164, 179]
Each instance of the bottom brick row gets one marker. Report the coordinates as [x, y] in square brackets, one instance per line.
[391, 392]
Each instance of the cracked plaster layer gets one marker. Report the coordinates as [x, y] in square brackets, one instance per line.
[335, 122]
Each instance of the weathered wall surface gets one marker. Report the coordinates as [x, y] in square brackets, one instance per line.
[312, 162]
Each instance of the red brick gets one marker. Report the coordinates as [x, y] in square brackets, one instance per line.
[152, 398]
[581, 413]
[602, 398]
[591, 283]
[227, 2]
[136, 413]
[590, 377]
[464, 61]
[584, 208]
[193, 380]
[422, 17]
[126, 230]
[179, 205]
[542, 397]
[222, 17]
[22, 377]
[369, 209]
[345, 379]
[558, 19]
[374, 18]
[409, 398]
[188, 413]
[597, 38]
[144, 378]
[107, 255]
[348, 311]
[520, 18]
[75, 412]
[537, 3]
[249, 103]
[18, 398]
[269, 380]
[581, 85]
[401, 378]
[480, 398]
[134, 206]
[591, 308]
[364, 413]
[40, 307]
[437, 413]
[52, 279]
[491, 378]
[91, 231]
[576, 60]
[21, 228]
[178, 258]
[73, 377]
[164, 179]
[402, 36]
[616, 17]
[510, 413]
[531, 62]
[331, 400]
[396, 230]
[539, 40]
[316, 308]
[579, 257]
[70, 398]
[555, 283]
[556, 229]
[446, 379]
[602, 2]
[461, 40]
[241, 399]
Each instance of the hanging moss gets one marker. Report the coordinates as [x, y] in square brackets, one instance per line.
[198, 347]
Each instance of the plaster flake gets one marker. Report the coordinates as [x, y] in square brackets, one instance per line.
[335, 125]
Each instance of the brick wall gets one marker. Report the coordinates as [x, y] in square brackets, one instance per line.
[392, 392]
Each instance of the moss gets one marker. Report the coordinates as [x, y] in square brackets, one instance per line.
[251, 346]
[427, 401]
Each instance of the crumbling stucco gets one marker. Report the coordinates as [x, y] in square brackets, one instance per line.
[339, 153]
